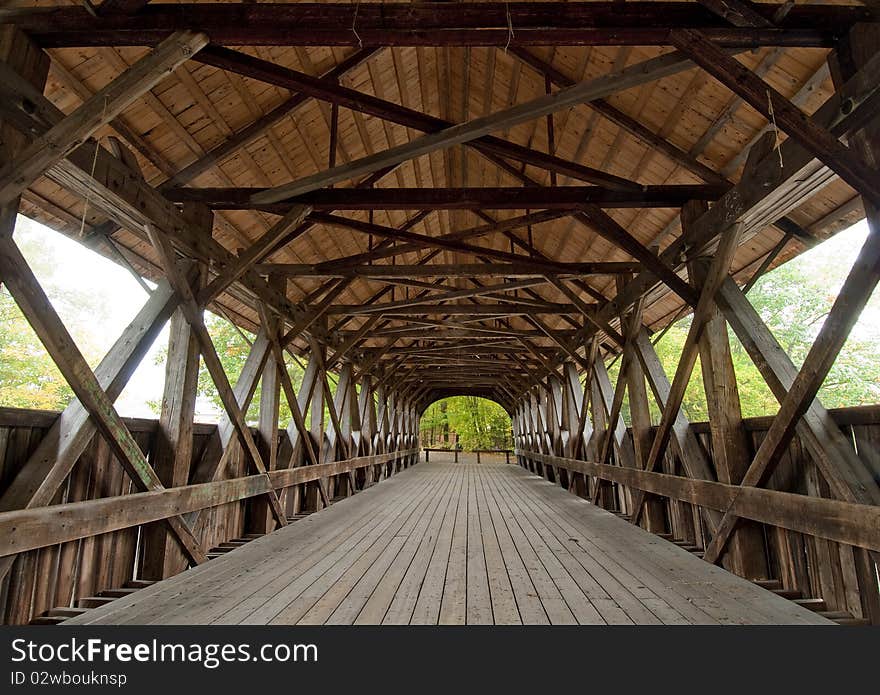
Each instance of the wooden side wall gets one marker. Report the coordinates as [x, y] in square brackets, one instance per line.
[805, 565]
[61, 574]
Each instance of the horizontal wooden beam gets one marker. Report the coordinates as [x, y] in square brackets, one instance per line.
[524, 269]
[448, 241]
[455, 310]
[470, 198]
[29, 529]
[387, 249]
[430, 24]
[842, 522]
[458, 333]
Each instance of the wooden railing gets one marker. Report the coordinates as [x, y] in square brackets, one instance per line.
[815, 546]
[507, 453]
[29, 529]
[842, 522]
[90, 538]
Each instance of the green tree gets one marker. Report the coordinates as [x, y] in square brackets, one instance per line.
[28, 376]
[793, 300]
[478, 422]
[233, 347]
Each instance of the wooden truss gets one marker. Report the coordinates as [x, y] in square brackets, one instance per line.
[514, 323]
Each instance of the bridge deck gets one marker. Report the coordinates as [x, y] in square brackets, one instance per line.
[446, 543]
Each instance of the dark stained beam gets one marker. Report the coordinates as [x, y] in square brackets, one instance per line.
[331, 91]
[388, 250]
[431, 24]
[425, 240]
[257, 128]
[777, 108]
[109, 7]
[524, 269]
[455, 310]
[469, 198]
[458, 333]
[445, 296]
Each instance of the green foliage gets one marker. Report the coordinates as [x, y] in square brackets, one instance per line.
[793, 300]
[28, 376]
[478, 422]
[233, 350]
[668, 350]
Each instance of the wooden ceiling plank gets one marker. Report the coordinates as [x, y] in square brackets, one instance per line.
[69, 133]
[633, 76]
[769, 102]
[324, 90]
[259, 127]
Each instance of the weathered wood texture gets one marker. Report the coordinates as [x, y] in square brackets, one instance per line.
[802, 550]
[457, 544]
[61, 573]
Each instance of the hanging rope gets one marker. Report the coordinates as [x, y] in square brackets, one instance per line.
[82, 224]
[510, 33]
[775, 129]
[354, 24]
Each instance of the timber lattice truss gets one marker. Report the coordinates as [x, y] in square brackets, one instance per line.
[438, 199]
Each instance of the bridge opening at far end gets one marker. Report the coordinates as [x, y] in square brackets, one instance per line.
[451, 313]
[466, 428]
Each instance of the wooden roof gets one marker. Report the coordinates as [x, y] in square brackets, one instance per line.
[199, 107]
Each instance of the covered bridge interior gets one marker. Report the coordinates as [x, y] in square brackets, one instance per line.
[434, 199]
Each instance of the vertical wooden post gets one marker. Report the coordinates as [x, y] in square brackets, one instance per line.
[851, 54]
[316, 430]
[603, 490]
[29, 61]
[173, 448]
[260, 518]
[730, 451]
[654, 516]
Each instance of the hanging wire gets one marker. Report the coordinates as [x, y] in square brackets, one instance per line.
[82, 224]
[354, 20]
[775, 129]
[510, 32]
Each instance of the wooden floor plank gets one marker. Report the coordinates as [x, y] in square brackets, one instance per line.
[338, 570]
[554, 604]
[403, 605]
[504, 608]
[453, 604]
[569, 590]
[399, 547]
[479, 599]
[459, 543]
[392, 585]
[528, 602]
[294, 546]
